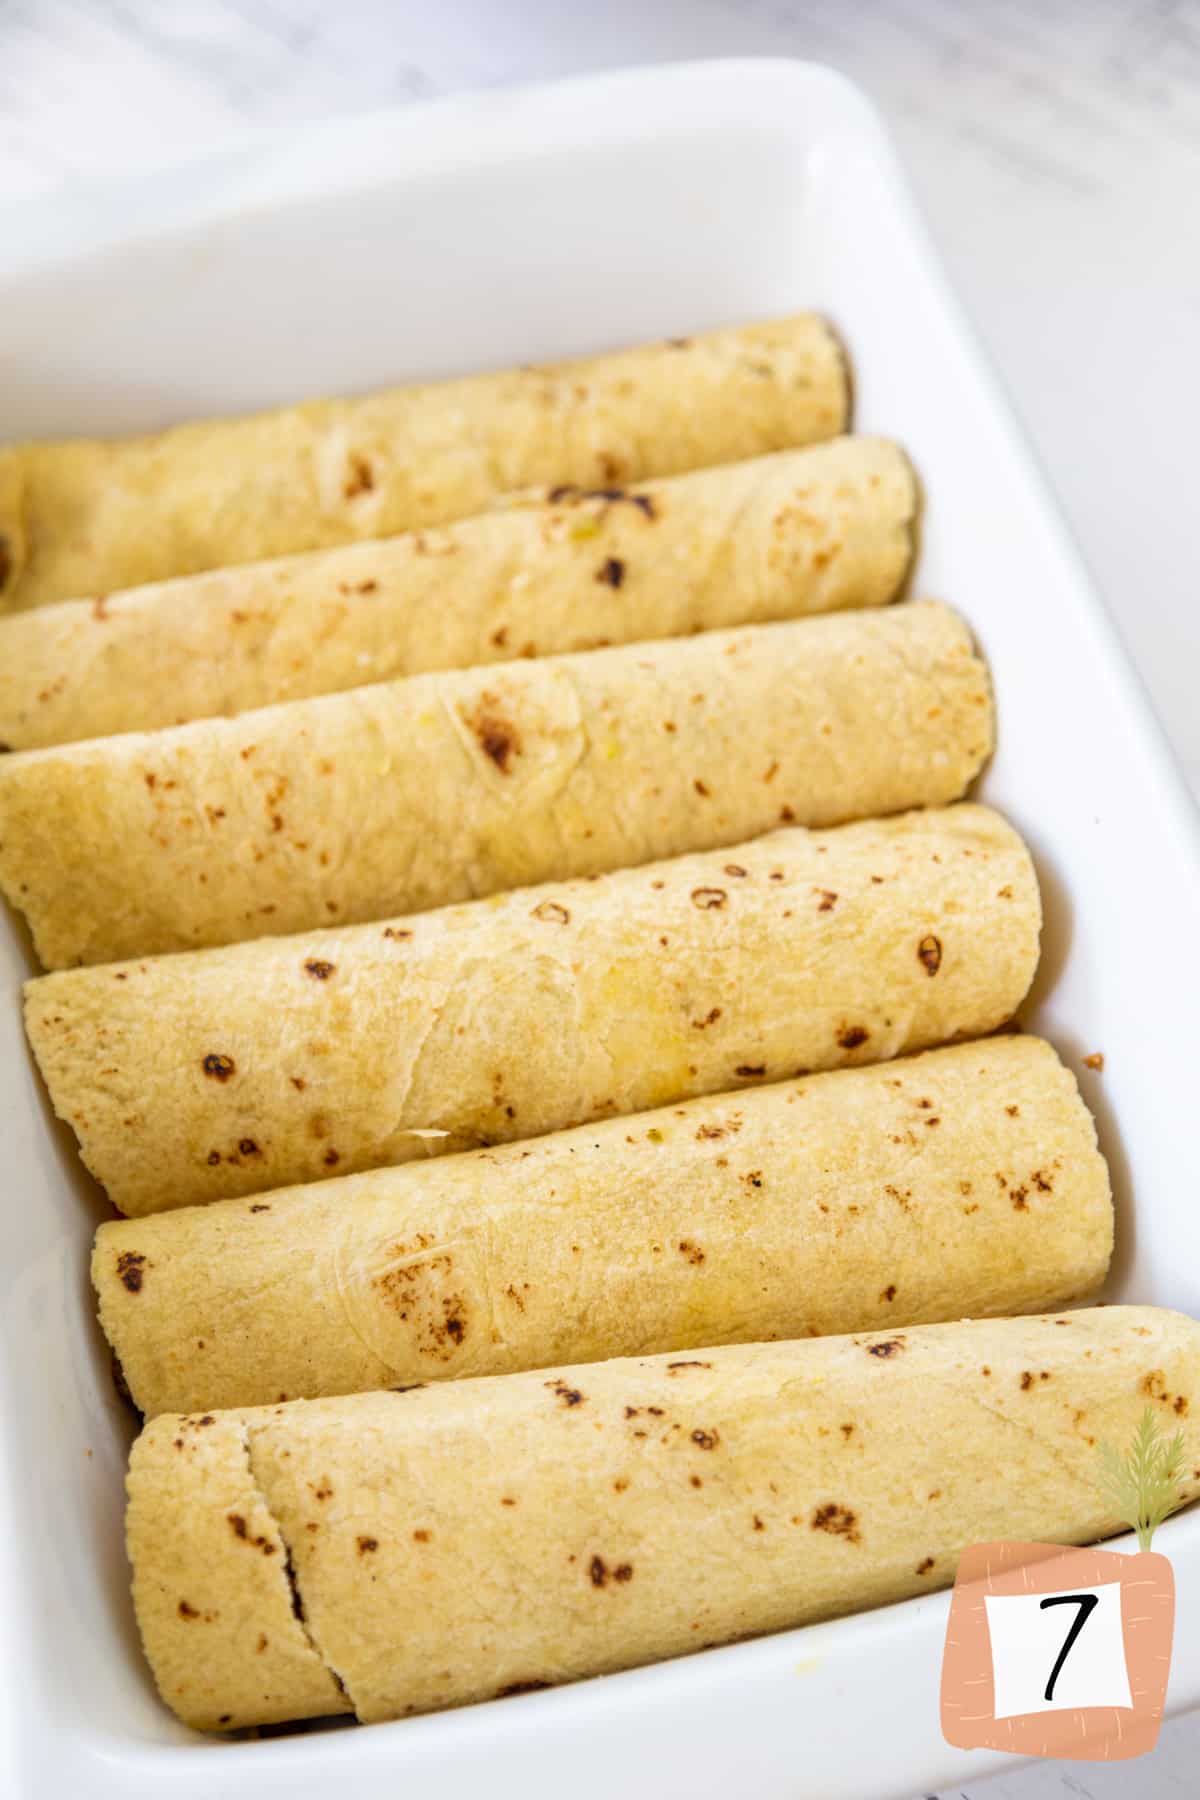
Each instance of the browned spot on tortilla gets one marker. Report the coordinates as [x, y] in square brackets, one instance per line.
[551, 913]
[414, 1290]
[611, 571]
[929, 953]
[851, 1036]
[498, 737]
[219, 1066]
[360, 477]
[839, 1521]
[240, 1529]
[130, 1264]
[709, 899]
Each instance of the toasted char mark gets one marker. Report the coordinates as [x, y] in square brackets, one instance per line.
[130, 1268]
[611, 572]
[496, 735]
[929, 954]
[600, 1574]
[839, 1521]
[360, 477]
[568, 1395]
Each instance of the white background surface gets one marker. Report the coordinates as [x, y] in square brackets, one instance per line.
[1055, 145]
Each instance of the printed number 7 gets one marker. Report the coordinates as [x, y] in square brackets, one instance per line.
[1085, 1603]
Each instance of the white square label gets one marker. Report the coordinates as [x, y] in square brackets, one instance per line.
[1051, 1652]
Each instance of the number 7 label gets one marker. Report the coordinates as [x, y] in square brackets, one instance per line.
[1087, 1604]
[1057, 1652]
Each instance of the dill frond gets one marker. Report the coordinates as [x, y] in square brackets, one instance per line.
[1142, 1483]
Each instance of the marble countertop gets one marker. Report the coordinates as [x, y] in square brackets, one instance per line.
[1055, 145]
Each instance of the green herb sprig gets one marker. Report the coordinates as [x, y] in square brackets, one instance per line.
[1142, 1483]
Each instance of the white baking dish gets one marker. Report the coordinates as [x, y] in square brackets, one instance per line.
[502, 229]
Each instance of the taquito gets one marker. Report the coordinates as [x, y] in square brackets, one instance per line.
[441, 788]
[965, 1181]
[800, 532]
[288, 1060]
[84, 516]
[388, 1553]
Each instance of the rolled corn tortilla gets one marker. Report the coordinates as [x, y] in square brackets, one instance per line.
[479, 1538]
[289, 1060]
[88, 515]
[964, 1181]
[808, 531]
[437, 789]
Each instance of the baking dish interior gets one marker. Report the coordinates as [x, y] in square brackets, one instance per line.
[506, 231]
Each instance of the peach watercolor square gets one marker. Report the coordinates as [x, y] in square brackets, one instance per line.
[1105, 1733]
